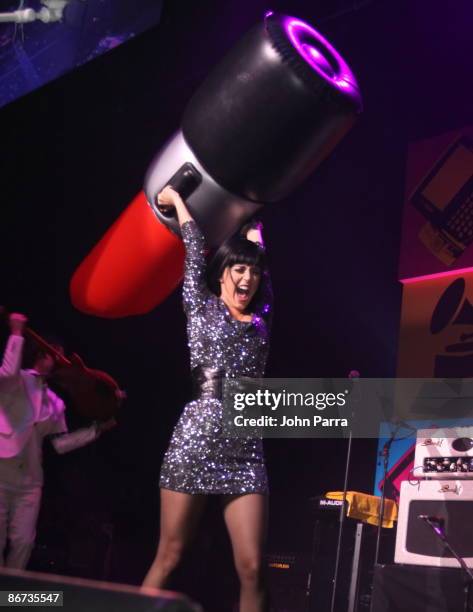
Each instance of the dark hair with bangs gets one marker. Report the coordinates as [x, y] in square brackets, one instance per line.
[236, 250]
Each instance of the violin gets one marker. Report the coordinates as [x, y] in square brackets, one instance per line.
[93, 394]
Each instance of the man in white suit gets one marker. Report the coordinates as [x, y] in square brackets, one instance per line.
[29, 411]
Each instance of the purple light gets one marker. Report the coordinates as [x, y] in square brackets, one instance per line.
[320, 54]
[318, 58]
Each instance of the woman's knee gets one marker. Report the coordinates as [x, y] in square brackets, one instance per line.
[169, 554]
[250, 569]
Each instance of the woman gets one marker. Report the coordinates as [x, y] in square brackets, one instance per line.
[227, 308]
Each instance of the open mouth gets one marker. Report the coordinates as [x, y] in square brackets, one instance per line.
[243, 293]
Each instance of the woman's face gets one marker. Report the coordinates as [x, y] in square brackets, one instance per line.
[239, 284]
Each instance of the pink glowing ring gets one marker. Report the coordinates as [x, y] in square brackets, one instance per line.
[319, 55]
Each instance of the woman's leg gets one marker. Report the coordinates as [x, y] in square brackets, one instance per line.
[180, 513]
[246, 517]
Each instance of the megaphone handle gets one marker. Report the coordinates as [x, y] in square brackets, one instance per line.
[185, 181]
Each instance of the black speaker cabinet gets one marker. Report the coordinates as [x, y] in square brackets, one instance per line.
[81, 595]
[287, 576]
[323, 565]
[410, 588]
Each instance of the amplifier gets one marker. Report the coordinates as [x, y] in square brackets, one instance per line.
[288, 576]
[356, 563]
[450, 500]
[404, 588]
[326, 509]
[443, 453]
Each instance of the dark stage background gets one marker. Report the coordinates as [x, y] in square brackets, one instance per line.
[73, 155]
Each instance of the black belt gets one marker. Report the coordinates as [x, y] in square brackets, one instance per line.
[207, 383]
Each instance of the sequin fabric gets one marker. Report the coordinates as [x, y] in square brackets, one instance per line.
[199, 460]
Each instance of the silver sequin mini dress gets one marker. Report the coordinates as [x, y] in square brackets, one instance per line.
[199, 460]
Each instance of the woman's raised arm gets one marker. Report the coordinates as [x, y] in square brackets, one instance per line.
[195, 289]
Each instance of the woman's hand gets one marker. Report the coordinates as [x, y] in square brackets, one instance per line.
[168, 197]
[254, 232]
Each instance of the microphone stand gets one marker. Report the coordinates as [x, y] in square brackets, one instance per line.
[385, 454]
[353, 375]
[438, 529]
[341, 525]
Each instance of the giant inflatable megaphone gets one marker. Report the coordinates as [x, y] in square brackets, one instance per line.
[263, 120]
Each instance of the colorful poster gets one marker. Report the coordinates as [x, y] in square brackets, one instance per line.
[436, 335]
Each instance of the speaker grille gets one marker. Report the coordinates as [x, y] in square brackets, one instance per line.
[422, 540]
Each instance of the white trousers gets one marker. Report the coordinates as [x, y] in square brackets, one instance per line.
[19, 510]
